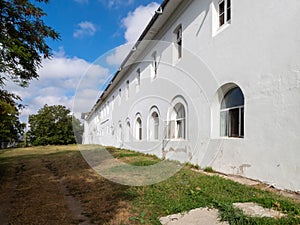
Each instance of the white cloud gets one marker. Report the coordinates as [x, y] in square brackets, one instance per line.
[82, 1]
[136, 21]
[116, 3]
[85, 29]
[60, 80]
[53, 100]
[119, 54]
[63, 67]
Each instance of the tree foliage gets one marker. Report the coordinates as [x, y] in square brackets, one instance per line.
[11, 129]
[23, 45]
[23, 36]
[52, 125]
[78, 129]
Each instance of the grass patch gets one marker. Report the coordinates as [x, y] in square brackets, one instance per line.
[36, 152]
[192, 166]
[122, 153]
[208, 169]
[188, 190]
[143, 163]
[130, 154]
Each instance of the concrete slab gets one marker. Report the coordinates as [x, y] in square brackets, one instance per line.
[200, 216]
[255, 210]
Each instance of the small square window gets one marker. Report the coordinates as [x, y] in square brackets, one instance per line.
[154, 65]
[224, 12]
[178, 42]
[221, 13]
[138, 80]
[127, 89]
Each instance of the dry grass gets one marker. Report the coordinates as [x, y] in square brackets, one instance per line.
[33, 182]
[30, 195]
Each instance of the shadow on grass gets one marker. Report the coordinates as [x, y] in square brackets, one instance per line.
[39, 185]
[101, 200]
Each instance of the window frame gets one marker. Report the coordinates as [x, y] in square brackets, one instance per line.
[153, 124]
[226, 124]
[154, 65]
[229, 130]
[138, 80]
[138, 129]
[127, 130]
[127, 89]
[178, 42]
[226, 14]
[176, 129]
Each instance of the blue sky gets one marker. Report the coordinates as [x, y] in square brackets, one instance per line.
[71, 18]
[89, 29]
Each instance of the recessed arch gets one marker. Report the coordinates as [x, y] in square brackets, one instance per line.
[138, 127]
[177, 119]
[153, 124]
[127, 130]
[120, 133]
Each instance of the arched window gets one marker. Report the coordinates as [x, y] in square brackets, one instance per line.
[154, 126]
[138, 128]
[127, 133]
[232, 114]
[177, 125]
[120, 133]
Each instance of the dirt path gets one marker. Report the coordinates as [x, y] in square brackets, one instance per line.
[73, 204]
[31, 197]
[8, 190]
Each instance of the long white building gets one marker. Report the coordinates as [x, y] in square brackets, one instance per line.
[212, 82]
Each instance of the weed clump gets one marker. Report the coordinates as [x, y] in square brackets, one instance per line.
[209, 169]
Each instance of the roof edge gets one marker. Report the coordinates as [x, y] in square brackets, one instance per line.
[142, 36]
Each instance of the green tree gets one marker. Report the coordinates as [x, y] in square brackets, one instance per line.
[11, 129]
[52, 125]
[23, 36]
[23, 45]
[78, 130]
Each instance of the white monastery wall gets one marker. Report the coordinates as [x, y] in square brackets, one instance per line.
[258, 51]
